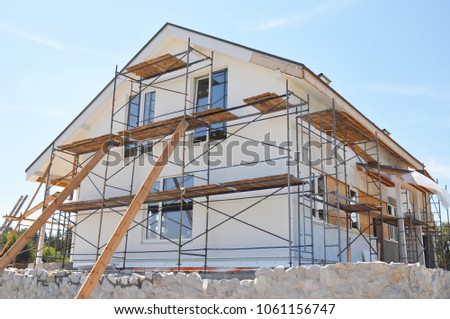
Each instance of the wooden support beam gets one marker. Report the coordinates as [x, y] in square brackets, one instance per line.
[130, 214]
[19, 221]
[34, 228]
[39, 206]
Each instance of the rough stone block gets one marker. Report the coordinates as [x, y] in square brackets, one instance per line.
[75, 278]
[30, 272]
[136, 279]
[43, 276]
[39, 272]
[392, 292]
[83, 278]
[279, 272]
[124, 280]
[261, 285]
[328, 276]
[147, 286]
[61, 273]
[106, 286]
[309, 285]
[398, 277]
[195, 281]
[291, 274]
[313, 271]
[263, 271]
[168, 279]
[149, 275]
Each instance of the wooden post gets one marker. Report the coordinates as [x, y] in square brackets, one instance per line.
[34, 228]
[24, 216]
[127, 218]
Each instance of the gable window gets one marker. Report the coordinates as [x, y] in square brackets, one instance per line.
[133, 111]
[163, 220]
[132, 122]
[148, 118]
[219, 99]
[149, 108]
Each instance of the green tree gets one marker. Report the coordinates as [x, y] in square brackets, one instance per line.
[28, 253]
[443, 245]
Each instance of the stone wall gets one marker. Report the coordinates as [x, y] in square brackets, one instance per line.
[359, 280]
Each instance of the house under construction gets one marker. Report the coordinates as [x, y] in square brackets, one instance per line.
[202, 154]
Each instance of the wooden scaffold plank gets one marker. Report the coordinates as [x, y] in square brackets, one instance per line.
[127, 218]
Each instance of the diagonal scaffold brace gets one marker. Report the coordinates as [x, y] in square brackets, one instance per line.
[48, 212]
[136, 204]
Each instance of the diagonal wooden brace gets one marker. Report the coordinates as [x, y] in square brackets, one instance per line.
[48, 212]
[127, 218]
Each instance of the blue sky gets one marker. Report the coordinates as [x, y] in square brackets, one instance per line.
[388, 58]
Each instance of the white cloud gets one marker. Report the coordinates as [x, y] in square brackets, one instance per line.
[31, 36]
[53, 44]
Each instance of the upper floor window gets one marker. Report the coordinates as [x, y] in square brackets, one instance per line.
[148, 118]
[133, 111]
[135, 119]
[149, 108]
[218, 97]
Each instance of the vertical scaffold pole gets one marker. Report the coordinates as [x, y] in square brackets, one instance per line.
[289, 161]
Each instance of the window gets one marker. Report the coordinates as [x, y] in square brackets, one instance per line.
[393, 230]
[134, 120]
[318, 214]
[376, 227]
[133, 111]
[164, 217]
[219, 97]
[148, 118]
[149, 108]
[318, 186]
[354, 216]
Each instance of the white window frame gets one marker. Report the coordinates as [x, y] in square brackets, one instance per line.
[159, 206]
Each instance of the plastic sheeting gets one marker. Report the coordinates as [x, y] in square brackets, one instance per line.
[416, 178]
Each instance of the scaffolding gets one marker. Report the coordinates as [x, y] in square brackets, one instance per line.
[326, 213]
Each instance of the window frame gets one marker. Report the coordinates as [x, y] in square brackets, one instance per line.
[147, 146]
[133, 149]
[217, 131]
[392, 229]
[163, 208]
